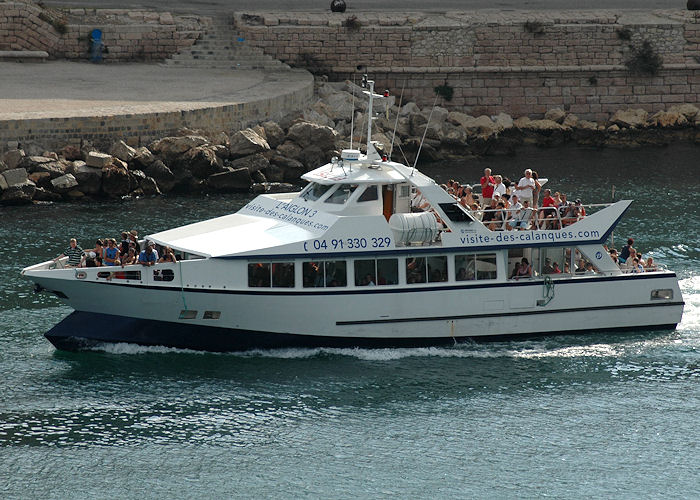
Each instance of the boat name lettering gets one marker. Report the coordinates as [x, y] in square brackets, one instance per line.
[299, 220]
[347, 243]
[527, 236]
[296, 209]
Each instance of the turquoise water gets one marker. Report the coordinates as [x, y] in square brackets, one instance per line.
[597, 416]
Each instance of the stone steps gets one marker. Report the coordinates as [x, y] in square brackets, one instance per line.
[220, 48]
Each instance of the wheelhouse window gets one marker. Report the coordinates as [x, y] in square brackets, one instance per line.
[275, 274]
[329, 273]
[314, 191]
[370, 194]
[342, 194]
[372, 272]
[470, 267]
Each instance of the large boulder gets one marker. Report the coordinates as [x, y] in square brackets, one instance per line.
[571, 120]
[253, 163]
[273, 133]
[143, 157]
[163, 176]
[306, 134]
[55, 168]
[481, 125]
[666, 119]
[72, 153]
[247, 142]
[18, 194]
[690, 111]
[15, 176]
[12, 158]
[171, 147]
[630, 118]
[338, 106]
[115, 182]
[317, 117]
[98, 160]
[64, 183]
[123, 151]
[89, 178]
[41, 179]
[41, 194]
[452, 135]
[544, 125]
[274, 173]
[459, 118]
[503, 121]
[289, 150]
[556, 115]
[202, 161]
[409, 108]
[146, 185]
[230, 181]
[313, 157]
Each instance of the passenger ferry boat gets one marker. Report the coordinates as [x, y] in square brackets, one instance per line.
[347, 262]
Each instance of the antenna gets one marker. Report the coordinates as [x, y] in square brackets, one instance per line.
[352, 112]
[396, 122]
[369, 84]
[424, 132]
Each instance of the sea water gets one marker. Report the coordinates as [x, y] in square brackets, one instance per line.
[605, 415]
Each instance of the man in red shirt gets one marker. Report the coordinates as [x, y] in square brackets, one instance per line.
[487, 184]
[548, 212]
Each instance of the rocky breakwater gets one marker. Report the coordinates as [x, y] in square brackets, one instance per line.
[263, 158]
[272, 156]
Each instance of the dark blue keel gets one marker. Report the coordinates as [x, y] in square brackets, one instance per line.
[85, 330]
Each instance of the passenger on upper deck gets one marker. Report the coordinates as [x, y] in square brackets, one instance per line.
[419, 203]
[548, 213]
[499, 187]
[526, 187]
[73, 252]
[487, 185]
[521, 219]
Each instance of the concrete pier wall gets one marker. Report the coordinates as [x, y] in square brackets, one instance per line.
[521, 63]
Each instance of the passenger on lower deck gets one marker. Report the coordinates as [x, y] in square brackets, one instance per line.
[73, 252]
[149, 256]
[525, 270]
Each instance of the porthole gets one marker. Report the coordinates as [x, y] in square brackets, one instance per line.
[188, 314]
[662, 294]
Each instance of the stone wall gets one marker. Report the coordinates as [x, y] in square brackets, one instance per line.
[522, 63]
[129, 35]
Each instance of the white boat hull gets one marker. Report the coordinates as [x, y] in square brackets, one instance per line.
[369, 316]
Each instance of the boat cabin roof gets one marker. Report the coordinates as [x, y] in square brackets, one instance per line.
[354, 168]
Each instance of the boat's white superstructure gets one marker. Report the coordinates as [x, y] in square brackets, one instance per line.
[349, 262]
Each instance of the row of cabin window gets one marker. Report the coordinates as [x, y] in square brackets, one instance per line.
[371, 272]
